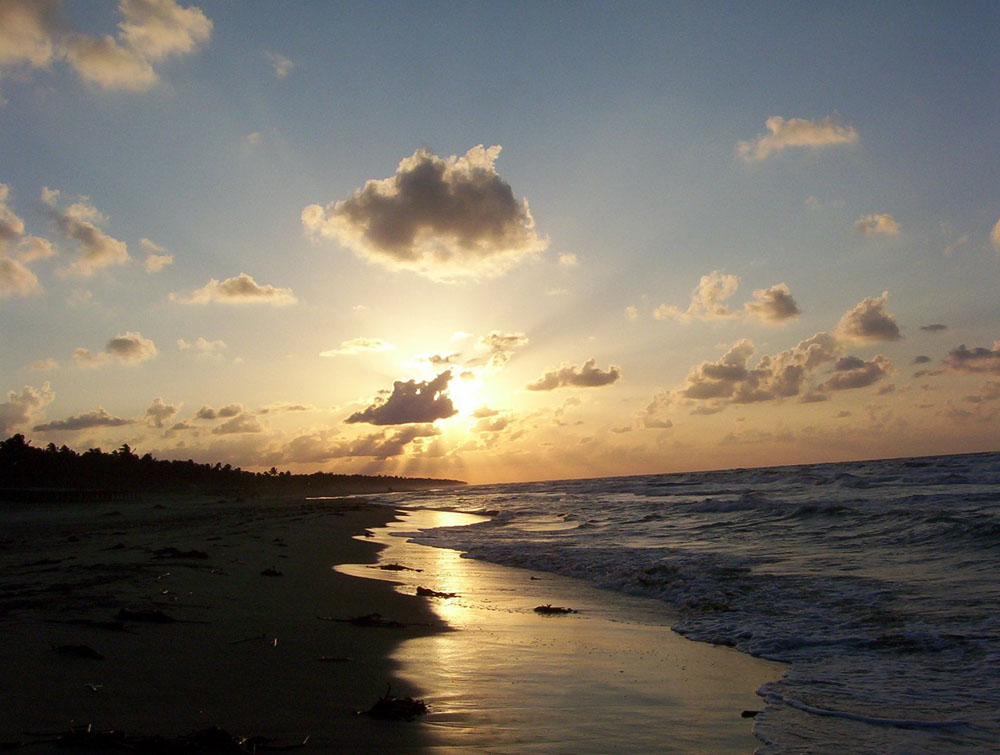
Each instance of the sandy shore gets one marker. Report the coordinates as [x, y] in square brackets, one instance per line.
[245, 584]
[244, 651]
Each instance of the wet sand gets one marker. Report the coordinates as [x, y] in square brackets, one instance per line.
[244, 650]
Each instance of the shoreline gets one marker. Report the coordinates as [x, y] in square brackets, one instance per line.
[243, 649]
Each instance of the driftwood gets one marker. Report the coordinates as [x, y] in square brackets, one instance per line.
[428, 593]
[394, 708]
[549, 609]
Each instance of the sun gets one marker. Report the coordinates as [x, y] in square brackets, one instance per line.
[466, 393]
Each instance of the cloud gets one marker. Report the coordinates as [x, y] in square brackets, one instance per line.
[502, 346]
[410, 402]
[34, 34]
[86, 359]
[44, 365]
[883, 224]
[444, 218]
[935, 328]
[241, 289]
[586, 376]
[869, 321]
[79, 222]
[157, 257]
[852, 372]
[19, 408]
[568, 260]
[282, 66]
[773, 304]
[243, 423]
[320, 447]
[16, 279]
[995, 236]
[202, 346]
[12, 237]
[978, 359]
[795, 132]
[706, 299]
[484, 411]
[631, 313]
[921, 359]
[358, 346]
[491, 424]
[229, 410]
[97, 418]
[159, 412]
[131, 348]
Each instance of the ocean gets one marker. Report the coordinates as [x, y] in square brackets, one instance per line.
[876, 581]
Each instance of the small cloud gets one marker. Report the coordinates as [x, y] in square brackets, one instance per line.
[586, 376]
[244, 423]
[995, 236]
[241, 289]
[978, 359]
[157, 257]
[813, 203]
[229, 410]
[444, 218]
[568, 260]
[16, 279]
[935, 328]
[97, 418]
[953, 246]
[281, 65]
[20, 407]
[131, 348]
[881, 224]
[707, 299]
[491, 424]
[795, 132]
[852, 372]
[159, 412]
[774, 304]
[459, 335]
[44, 365]
[484, 411]
[79, 222]
[502, 346]
[869, 321]
[86, 359]
[358, 346]
[201, 346]
[631, 313]
[410, 402]
[921, 359]
[253, 137]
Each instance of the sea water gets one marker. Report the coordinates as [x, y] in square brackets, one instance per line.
[877, 581]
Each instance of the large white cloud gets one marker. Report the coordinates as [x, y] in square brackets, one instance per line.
[20, 407]
[869, 321]
[586, 376]
[240, 289]
[80, 222]
[410, 402]
[795, 132]
[445, 218]
[33, 33]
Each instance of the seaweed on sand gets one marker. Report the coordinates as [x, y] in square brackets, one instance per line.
[429, 593]
[550, 610]
[392, 708]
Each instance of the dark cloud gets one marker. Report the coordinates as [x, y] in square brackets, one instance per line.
[243, 423]
[97, 418]
[79, 222]
[586, 376]
[131, 348]
[978, 359]
[773, 304]
[859, 375]
[441, 217]
[935, 328]
[869, 321]
[229, 410]
[159, 412]
[848, 363]
[323, 446]
[921, 359]
[410, 402]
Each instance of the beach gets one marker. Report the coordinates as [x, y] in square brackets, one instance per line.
[231, 614]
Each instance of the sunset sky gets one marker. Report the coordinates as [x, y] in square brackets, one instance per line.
[501, 241]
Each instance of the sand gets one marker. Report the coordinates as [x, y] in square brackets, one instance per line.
[244, 652]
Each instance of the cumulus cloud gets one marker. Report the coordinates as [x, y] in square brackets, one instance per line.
[773, 304]
[79, 222]
[97, 418]
[795, 132]
[358, 346]
[241, 289]
[410, 402]
[869, 321]
[20, 407]
[229, 410]
[159, 412]
[586, 376]
[16, 279]
[707, 299]
[34, 34]
[201, 345]
[281, 65]
[852, 372]
[131, 348]
[881, 223]
[977, 359]
[444, 218]
[502, 346]
[243, 423]
[157, 257]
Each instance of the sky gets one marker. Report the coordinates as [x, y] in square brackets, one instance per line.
[500, 241]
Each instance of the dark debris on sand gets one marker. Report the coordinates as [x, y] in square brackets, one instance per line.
[550, 610]
[392, 708]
